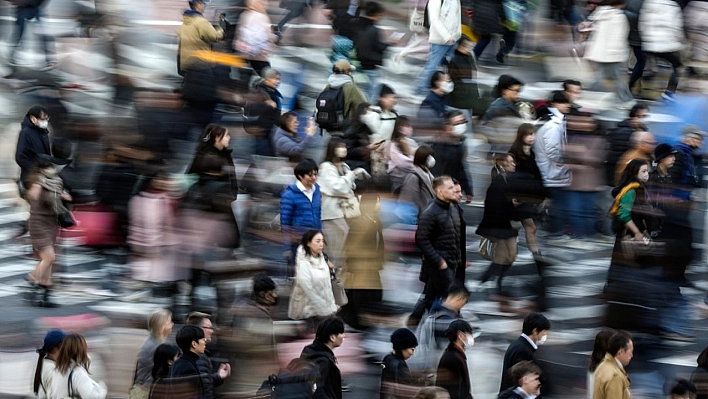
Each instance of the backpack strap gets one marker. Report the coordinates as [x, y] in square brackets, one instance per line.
[618, 198]
[72, 394]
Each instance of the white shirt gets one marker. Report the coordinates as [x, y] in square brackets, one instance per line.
[308, 193]
[535, 347]
[523, 393]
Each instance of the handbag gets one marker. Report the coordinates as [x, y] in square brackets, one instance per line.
[486, 248]
[350, 207]
[340, 296]
[416, 24]
[64, 219]
[633, 249]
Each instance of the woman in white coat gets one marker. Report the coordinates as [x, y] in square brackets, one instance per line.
[608, 48]
[661, 30]
[312, 298]
[73, 363]
[337, 186]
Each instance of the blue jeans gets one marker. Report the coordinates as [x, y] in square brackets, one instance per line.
[558, 211]
[25, 14]
[581, 212]
[638, 70]
[371, 90]
[437, 53]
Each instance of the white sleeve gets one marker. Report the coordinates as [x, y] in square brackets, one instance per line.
[86, 387]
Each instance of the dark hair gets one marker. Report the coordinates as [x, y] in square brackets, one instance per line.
[360, 110]
[284, 119]
[457, 289]
[368, 202]
[188, 334]
[457, 326]
[439, 181]
[635, 110]
[682, 387]
[421, 156]
[163, 354]
[612, 3]
[328, 327]
[505, 83]
[497, 168]
[447, 116]
[62, 148]
[334, 142]
[702, 359]
[522, 369]
[209, 136]
[435, 77]
[305, 167]
[599, 348]
[37, 111]
[399, 138]
[620, 340]
[558, 97]
[570, 82]
[373, 8]
[196, 318]
[535, 321]
[307, 238]
[629, 175]
[263, 283]
[517, 147]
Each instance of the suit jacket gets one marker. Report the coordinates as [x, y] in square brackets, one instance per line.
[518, 351]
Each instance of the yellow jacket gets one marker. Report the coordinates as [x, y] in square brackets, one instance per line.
[195, 34]
[611, 381]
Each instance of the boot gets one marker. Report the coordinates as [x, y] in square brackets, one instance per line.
[46, 300]
[33, 295]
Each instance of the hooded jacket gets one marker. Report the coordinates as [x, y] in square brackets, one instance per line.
[551, 138]
[329, 385]
[32, 142]
[352, 96]
[369, 46]
[195, 34]
[608, 42]
[661, 26]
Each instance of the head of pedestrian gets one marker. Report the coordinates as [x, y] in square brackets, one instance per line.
[343, 67]
[39, 117]
[197, 5]
[573, 89]
[374, 10]
[458, 191]
[336, 150]
[370, 204]
[387, 98]
[637, 117]
[536, 327]
[455, 123]
[271, 77]
[465, 45]
[457, 297]
[265, 291]
[693, 136]
[560, 101]
[526, 375]
[509, 88]
[404, 343]
[665, 156]
[441, 83]
[503, 164]
[330, 332]
[201, 320]
[73, 351]
[444, 188]
[621, 347]
[644, 142]
[191, 338]
[683, 389]
[214, 135]
[306, 173]
[49, 350]
[160, 324]
[460, 334]
[313, 243]
[424, 157]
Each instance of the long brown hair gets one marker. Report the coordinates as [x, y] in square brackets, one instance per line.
[600, 347]
[517, 147]
[73, 349]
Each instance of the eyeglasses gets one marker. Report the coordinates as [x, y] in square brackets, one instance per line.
[44, 119]
[460, 123]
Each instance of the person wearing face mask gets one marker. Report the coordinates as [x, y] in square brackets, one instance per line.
[453, 373]
[357, 139]
[463, 72]
[399, 153]
[417, 187]
[382, 127]
[533, 334]
[32, 142]
[435, 103]
[451, 152]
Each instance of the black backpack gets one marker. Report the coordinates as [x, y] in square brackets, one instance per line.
[296, 381]
[330, 109]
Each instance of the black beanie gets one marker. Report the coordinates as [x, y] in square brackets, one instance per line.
[262, 283]
[403, 338]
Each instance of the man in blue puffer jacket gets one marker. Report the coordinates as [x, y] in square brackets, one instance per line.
[300, 208]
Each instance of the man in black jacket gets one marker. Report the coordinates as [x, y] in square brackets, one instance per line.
[533, 334]
[438, 237]
[618, 139]
[185, 376]
[526, 376]
[210, 379]
[453, 373]
[33, 140]
[329, 335]
[370, 48]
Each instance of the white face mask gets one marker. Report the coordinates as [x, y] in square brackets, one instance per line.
[447, 87]
[541, 340]
[430, 162]
[469, 343]
[369, 117]
[340, 152]
[43, 124]
[407, 131]
[459, 130]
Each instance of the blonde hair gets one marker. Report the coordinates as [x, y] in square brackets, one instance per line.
[157, 320]
[72, 349]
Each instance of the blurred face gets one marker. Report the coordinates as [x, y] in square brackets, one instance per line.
[309, 179]
[465, 47]
[458, 193]
[639, 118]
[167, 329]
[43, 118]
[316, 245]
[223, 141]
[292, 124]
[270, 298]
[509, 164]
[208, 329]
[337, 340]
[407, 353]
[388, 102]
[668, 161]
[625, 356]
[562, 107]
[531, 384]
[512, 93]
[574, 92]
[647, 143]
[446, 192]
[273, 81]
[530, 138]
[643, 174]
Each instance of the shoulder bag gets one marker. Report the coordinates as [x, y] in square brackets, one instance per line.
[340, 296]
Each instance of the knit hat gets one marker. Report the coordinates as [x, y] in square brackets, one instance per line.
[262, 283]
[386, 90]
[403, 338]
[52, 339]
[662, 151]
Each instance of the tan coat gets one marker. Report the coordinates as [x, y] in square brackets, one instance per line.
[195, 34]
[611, 381]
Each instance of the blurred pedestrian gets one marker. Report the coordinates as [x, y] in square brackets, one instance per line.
[32, 142]
[337, 183]
[46, 197]
[461, 272]
[195, 34]
[215, 140]
[286, 141]
[632, 8]
[312, 299]
[159, 326]
[662, 33]
[341, 79]
[43, 384]
[397, 382]
[269, 111]
[444, 17]
[534, 332]
[526, 377]
[165, 355]
[370, 47]
[699, 376]
[463, 73]
[72, 371]
[300, 209]
[618, 139]
[329, 336]
[209, 378]
[185, 374]
[417, 187]
[256, 40]
[399, 153]
[358, 139]
[611, 381]
[599, 350]
[451, 151]
[684, 172]
[643, 144]
[453, 373]
[487, 20]
[682, 389]
[696, 23]
[507, 95]
[435, 104]
[383, 126]
[296, 9]
[29, 10]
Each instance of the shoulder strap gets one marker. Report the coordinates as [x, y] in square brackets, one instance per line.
[72, 394]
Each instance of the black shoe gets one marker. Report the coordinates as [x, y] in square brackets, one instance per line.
[46, 300]
[501, 57]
